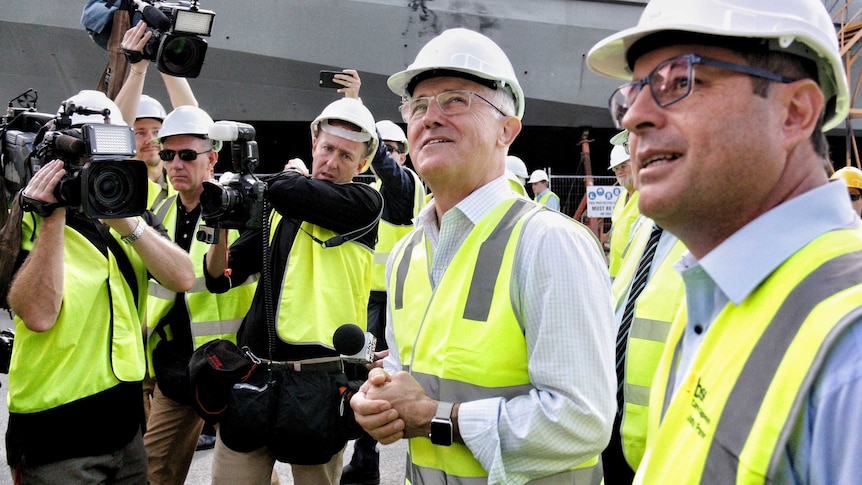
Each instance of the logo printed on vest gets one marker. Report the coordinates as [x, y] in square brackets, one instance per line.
[699, 419]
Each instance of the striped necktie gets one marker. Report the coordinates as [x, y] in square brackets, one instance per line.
[638, 285]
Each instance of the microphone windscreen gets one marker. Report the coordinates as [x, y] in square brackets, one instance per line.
[156, 19]
[71, 145]
[348, 339]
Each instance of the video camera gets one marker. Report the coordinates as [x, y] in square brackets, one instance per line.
[101, 179]
[176, 45]
[236, 200]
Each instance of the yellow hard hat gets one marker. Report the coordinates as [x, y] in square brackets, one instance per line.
[852, 176]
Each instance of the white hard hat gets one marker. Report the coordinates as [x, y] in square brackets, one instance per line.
[465, 52]
[801, 27]
[517, 167]
[352, 111]
[92, 99]
[186, 120]
[516, 182]
[619, 156]
[150, 108]
[389, 131]
[538, 176]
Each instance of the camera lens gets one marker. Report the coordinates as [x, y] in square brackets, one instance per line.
[218, 200]
[182, 55]
[115, 188]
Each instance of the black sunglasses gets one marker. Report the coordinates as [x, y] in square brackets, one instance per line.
[186, 155]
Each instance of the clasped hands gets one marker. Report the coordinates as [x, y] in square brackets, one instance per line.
[391, 407]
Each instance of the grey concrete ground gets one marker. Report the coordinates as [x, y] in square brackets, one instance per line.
[392, 457]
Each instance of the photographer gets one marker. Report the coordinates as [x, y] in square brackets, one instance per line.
[321, 240]
[178, 323]
[78, 359]
[147, 112]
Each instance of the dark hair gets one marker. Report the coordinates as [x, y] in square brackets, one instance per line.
[794, 67]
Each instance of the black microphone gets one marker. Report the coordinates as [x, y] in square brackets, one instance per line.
[353, 344]
[71, 145]
[153, 16]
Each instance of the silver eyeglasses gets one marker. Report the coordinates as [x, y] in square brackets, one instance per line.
[450, 103]
[672, 81]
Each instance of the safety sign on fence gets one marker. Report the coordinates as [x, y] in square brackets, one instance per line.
[601, 200]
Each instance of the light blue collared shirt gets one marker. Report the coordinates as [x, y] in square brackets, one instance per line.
[561, 294]
[824, 448]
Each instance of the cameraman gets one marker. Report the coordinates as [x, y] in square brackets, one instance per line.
[177, 323]
[147, 112]
[316, 289]
[78, 359]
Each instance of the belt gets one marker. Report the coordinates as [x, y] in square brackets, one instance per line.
[323, 364]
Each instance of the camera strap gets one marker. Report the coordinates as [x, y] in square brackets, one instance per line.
[353, 235]
[124, 264]
[114, 75]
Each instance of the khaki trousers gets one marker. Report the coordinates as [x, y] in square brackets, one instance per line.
[256, 468]
[172, 435]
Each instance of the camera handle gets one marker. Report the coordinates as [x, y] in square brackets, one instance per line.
[44, 209]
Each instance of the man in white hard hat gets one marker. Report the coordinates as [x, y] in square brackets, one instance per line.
[178, 323]
[79, 299]
[147, 112]
[540, 184]
[516, 170]
[761, 378]
[647, 293]
[626, 208]
[321, 241]
[499, 308]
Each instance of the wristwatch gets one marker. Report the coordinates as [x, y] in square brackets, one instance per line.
[442, 432]
[139, 230]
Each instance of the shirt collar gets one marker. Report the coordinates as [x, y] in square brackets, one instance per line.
[740, 263]
[474, 206]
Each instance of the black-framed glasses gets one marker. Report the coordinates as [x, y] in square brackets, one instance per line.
[672, 81]
[186, 155]
[450, 103]
[855, 196]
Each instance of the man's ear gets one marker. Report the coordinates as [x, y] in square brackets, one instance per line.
[803, 103]
[511, 128]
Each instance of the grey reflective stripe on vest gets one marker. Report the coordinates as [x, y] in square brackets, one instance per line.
[431, 476]
[404, 265]
[489, 261]
[635, 394]
[216, 327]
[445, 389]
[648, 329]
[163, 209]
[653, 331]
[746, 397]
[380, 258]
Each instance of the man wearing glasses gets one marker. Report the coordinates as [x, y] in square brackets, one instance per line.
[179, 322]
[761, 377]
[499, 328]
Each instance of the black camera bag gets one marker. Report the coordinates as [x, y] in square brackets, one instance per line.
[303, 417]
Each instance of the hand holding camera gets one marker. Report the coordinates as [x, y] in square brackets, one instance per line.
[174, 41]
